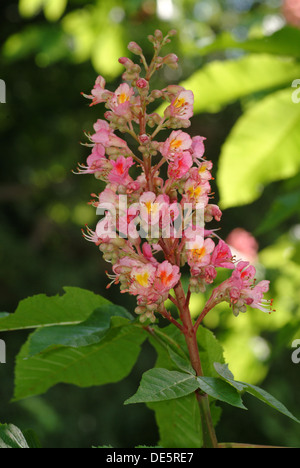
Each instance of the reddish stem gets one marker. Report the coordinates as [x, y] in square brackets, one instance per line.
[209, 435]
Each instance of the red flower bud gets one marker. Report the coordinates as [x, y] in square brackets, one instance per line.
[142, 83]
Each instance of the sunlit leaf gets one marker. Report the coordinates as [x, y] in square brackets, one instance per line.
[29, 8]
[284, 42]
[222, 82]
[262, 147]
[54, 9]
[107, 49]
[75, 306]
[47, 40]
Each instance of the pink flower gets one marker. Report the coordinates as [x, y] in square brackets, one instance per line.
[105, 135]
[96, 162]
[106, 228]
[199, 253]
[180, 166]
[167, 276]
[120, 171]
[177, 142]
[212, 212]
[291, 12]
[222, 256]
[256, 297]
[127, 223]
[240, 290]
[198, 148]
[243, 244]
[120, 100]
[98, 92]
[182, 106]
[196, 192]
[142, 278]
[91, 236]
[108, 198]
[103, 132]
[153, 208]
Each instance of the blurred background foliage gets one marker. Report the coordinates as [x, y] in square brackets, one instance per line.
[240, 57]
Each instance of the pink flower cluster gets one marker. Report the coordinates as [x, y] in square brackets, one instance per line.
[149, 238]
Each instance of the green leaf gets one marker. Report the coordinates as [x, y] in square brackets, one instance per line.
[47, 42]
[210, 351]
[89, 332]
[29, 8]
[262, 147]
[108, 361]
[220, 390]
[112, 46]
[3, 314]
[282, 209]
[12, 437]
[284, 42]
[178, 422]
[54, 9]
[75, 306]
[257, 392]
[223, 371]
[223, 82]
[161, 384]
[181, 362]
[265, 397]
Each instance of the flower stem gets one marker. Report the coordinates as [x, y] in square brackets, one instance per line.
[208, 431]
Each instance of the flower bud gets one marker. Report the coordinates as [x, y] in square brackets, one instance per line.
[135, 48]
[126, 62]
[156, 94]
[142, 83]
[144, 138]
[140, 310]
[171, 61]
[158, 35]
[118, 242]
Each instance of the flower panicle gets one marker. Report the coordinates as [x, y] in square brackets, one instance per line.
[157, 198]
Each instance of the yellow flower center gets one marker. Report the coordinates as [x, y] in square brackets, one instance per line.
[152, 208]
[175, 144]
[199, 253]
[179, 103]
[142, 279]
[123, 98]
[195, 192]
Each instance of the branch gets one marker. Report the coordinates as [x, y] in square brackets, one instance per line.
[171, 319]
